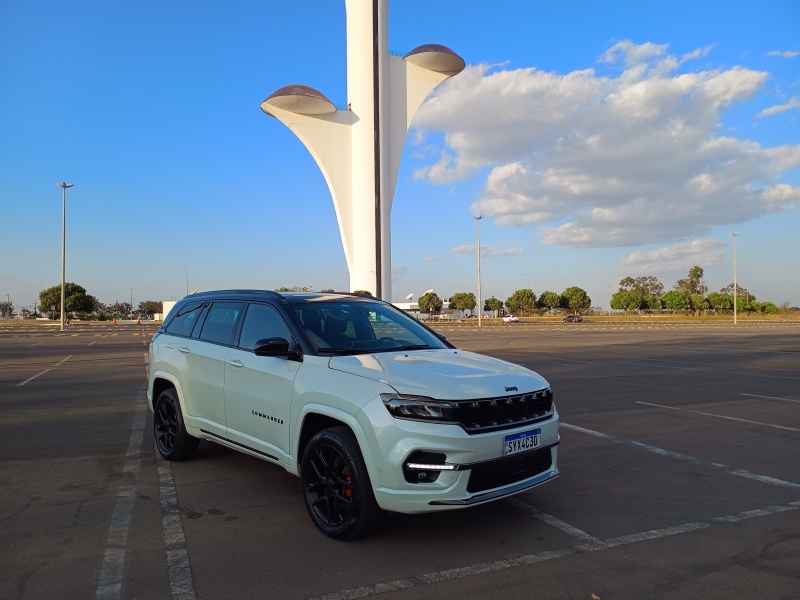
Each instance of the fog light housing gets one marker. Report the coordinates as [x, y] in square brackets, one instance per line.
[425, 467]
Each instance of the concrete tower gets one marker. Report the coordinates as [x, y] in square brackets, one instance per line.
[359, 149]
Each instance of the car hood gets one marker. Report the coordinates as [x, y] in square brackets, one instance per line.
[445, 374]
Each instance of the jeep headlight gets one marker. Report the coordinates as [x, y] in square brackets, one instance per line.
[419, 408]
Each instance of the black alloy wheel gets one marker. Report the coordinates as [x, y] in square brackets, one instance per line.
[336, 485]
[172, 439]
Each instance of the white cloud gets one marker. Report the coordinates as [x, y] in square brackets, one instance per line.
[780, 108]
[783, 53]
[678, 258]
[489, 250]
[596, 160]
[430, 259]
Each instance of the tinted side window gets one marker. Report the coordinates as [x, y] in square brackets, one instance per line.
[220, 324]
[262, 321]
[185, 320]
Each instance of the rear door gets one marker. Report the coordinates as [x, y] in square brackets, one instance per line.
[203, 377]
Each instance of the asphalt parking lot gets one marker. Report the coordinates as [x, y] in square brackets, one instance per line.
[679, 479]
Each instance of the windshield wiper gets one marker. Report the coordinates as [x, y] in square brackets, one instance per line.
[409, 347]
[343, 351]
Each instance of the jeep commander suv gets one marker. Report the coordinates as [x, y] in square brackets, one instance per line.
[372, 409]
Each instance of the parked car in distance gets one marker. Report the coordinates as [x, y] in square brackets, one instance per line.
[511, 319]
[373, 410]
[573, 319]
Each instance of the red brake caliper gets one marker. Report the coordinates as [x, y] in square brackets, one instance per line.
[347, 492]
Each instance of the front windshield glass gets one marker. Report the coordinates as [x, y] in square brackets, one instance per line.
[359, 327]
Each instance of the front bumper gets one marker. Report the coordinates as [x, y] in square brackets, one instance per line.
[477, 471]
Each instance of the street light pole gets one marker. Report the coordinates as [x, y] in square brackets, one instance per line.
[480, 308]
[63, 185]
[735, 287]
[131, 301]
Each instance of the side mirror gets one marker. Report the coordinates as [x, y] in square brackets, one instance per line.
[278, 347]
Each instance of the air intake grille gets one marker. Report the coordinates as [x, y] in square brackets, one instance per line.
[508, 470]
[492, 414]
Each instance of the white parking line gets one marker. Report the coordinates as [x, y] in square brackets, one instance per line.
[529, 559]
[179, 568]
[33, 377]
[58, 364]
[109, 584]
[697, 461]
[770, 398]
[697, 412]
[91, 344]
[36, 344]
[554, 522]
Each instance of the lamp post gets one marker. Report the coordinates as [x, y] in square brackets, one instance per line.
[63, 185]
[480, 308]
[735, 287]
[131, 301]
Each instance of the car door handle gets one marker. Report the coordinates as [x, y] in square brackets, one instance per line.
[184, 349]
[236, 363]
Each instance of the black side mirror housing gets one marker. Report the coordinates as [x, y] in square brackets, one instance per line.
[276, 346]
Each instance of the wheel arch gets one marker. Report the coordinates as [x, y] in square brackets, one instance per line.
[318, 418]
[164, 381]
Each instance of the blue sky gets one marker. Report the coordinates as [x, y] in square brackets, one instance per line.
[599, 140]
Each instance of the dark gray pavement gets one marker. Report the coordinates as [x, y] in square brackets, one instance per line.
[679, 458]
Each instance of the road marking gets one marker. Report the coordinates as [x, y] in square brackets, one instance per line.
[91, 343]
[697, 461]
[539, 557]
[34, 377]
[36, 344]
[179, 568]
[770, 397]
[697, 412]
[21, 383]
[109, 584]
[553, 521]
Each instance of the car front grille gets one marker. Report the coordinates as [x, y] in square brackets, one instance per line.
[493, 414]
[507, 470]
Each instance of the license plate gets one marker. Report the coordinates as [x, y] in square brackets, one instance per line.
[521, 442]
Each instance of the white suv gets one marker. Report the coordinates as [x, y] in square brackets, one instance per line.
[372, 409]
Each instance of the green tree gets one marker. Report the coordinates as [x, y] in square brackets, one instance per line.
[699, 302]
[6, 308]
[769, 308]
[693, 283]
[119, 309]
[463, 301]
[521, 300]
[651, 302]
[75, 299]
[328, 291]
[430, 303]
[366, 293]
[493, 304]
[719, 301]
[576, 299]
[642, 286]
[625, 300]
[550, 300]
[296, 288]
[677, 300]
[148, 308]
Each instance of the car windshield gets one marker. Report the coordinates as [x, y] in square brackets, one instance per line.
[345, 326]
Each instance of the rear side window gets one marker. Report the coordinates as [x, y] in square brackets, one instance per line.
[185, 320]
[221, 322]
[262, 321]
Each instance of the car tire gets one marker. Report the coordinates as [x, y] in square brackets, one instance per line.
[172, 439]
[336, 486]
